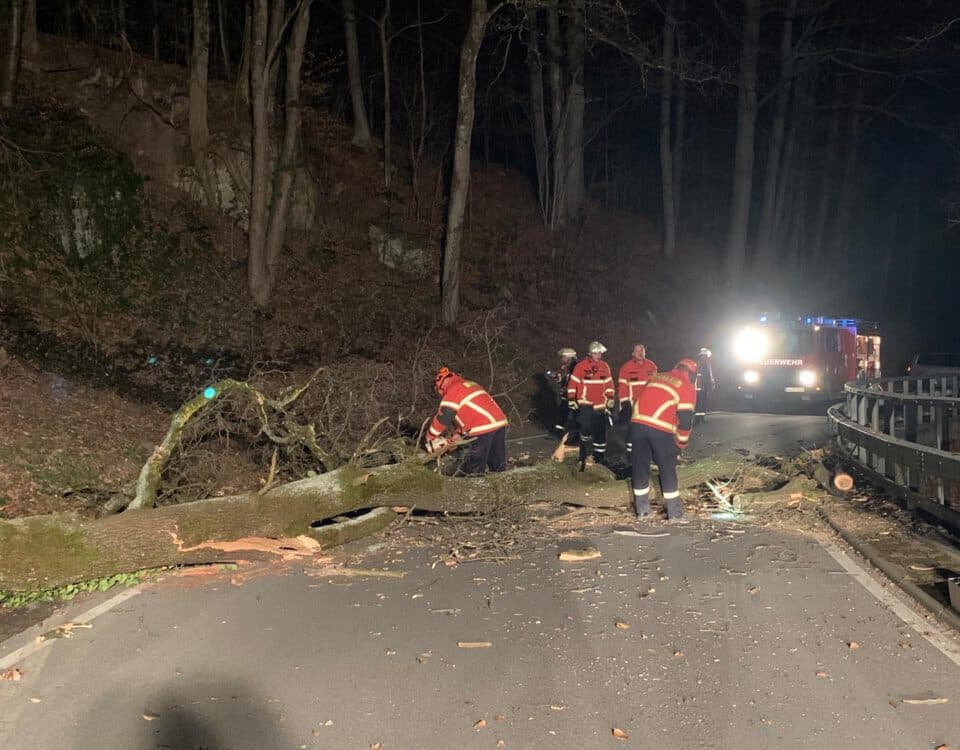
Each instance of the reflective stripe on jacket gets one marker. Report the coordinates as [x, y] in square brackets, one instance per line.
[667, 403]
[633, 376]
[470, 407]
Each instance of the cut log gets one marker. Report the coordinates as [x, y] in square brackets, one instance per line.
[45, 552]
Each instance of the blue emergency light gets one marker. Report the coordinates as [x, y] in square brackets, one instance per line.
[209, 392]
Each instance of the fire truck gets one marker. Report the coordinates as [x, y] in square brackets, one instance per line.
[807, 359]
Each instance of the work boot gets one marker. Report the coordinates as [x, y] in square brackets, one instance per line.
[674, 508]
[642, 507]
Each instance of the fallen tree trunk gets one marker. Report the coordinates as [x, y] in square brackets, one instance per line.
[44, 552]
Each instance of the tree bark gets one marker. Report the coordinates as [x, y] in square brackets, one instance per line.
[574, 192]
[416, 155]
[384, 35]
[290, 148]
[8, 87]
[538, 115]
[669, 233]
[44, 552]
[743, 157]
[361, 129]
[678, 143]
[155, 31]
[460, 183]
[199, 129]
[257, 276]
[224, 42]
[826, 194]
[765, 249]
[120, 17]
[30, 43]
[841, 236]
[246, 50]
[558, 114]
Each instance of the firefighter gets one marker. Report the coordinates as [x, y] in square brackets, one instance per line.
[471, 412]
[705, 385]
[633, 376]
[561, 378]
[660, 429]
[590, 390]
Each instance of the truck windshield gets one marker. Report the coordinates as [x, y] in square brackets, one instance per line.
[791, 343]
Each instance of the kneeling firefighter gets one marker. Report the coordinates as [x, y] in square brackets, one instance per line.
[471, 412]
[659, 429]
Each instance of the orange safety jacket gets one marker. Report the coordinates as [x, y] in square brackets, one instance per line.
[591, 383]
[469, 406]
[633, 376]
[667, 403]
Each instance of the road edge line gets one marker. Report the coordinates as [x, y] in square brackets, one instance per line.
[942, 643]
[91, 614]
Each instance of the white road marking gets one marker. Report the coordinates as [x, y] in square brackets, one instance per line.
[31, 648]
[943, 643]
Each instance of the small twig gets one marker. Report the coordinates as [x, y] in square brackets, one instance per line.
[273, 472]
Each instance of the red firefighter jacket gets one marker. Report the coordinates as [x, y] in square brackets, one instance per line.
[666, 404]
[633, 376]
[590, 383]
[467, 405]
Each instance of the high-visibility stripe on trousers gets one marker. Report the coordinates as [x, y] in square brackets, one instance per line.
[657, 446]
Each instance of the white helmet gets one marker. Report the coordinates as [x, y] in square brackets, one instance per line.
[596, 346]
[567, 352]
[705, 352]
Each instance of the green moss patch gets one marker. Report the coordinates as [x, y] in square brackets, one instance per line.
[37, 549]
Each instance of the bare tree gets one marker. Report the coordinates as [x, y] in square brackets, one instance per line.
[538, 114]
[224, 43]
[572, 156]
[30, 43]
[743, 157]
[765, 250]
[826, 193]
[383, 31]
[270, 193]
[669, 240]
[246, 50]
[199, 129]
[8, 86]
[460, 182]
[155, 30]
[361, 130]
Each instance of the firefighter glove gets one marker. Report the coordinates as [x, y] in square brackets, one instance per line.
[572, 405]
[610, 404]
[436, 444]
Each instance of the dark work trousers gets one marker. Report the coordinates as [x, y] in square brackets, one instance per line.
[593, 433]
[486, 452]
[626, 411]
[650, 444]
[701, 410]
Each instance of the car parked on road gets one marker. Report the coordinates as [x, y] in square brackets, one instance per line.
[935, 363]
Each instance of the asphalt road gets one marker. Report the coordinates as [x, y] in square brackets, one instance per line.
[705, 635]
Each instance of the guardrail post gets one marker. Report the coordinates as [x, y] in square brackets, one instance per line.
[862, 418]
[910, 414]
[879, 462]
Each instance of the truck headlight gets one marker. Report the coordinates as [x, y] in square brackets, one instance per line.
[751, 376]
[808, 378]
[751, 345]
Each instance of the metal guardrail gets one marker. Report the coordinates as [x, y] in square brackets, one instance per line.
[900, 430]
